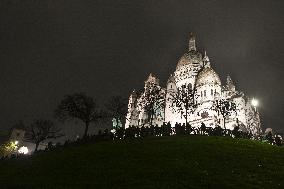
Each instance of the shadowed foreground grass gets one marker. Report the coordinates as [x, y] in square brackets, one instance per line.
[161, 162]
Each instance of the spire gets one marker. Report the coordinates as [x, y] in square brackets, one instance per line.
[171, 79]
[134, 93]
[152, 79]
[230, 84]
[229, 80]
[206, 61]
[191, 44]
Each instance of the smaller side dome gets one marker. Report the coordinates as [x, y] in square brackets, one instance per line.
[207, 76]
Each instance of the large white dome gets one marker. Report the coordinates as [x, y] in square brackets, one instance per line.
[189, 58]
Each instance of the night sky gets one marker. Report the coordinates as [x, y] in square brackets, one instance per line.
[103, 48]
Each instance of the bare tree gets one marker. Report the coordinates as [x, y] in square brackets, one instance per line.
[78, 106]
[152, 101]
[183, 101]
[41, 130]
[225, 107]
[117, 108]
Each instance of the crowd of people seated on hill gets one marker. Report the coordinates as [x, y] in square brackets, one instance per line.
[179, 129]
[186, 129]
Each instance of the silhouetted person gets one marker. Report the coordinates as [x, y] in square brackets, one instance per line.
[188, 129]
[278, 141]
[269, 137]
[202, 128]
[236, 132]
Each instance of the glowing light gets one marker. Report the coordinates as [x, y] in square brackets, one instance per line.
[16, 142]
[23, 150]
[112, 131]
[254, 102]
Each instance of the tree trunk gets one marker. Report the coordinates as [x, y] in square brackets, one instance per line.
[36, 147]
[116, 122]
[224, 119]
[186, 116]
[86, 129]
[151, 119]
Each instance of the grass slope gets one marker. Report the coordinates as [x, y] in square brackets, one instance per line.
[161, 162]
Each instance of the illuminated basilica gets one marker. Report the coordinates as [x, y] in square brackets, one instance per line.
[194, 71]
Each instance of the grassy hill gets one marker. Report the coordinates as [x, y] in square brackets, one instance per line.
[161, 162]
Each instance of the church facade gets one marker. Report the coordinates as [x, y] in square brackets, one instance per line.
[194, 73]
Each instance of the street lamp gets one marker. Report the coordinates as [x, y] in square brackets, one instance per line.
[23, 150]
[254, 103]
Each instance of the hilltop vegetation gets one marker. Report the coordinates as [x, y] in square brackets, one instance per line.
[161, 162]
